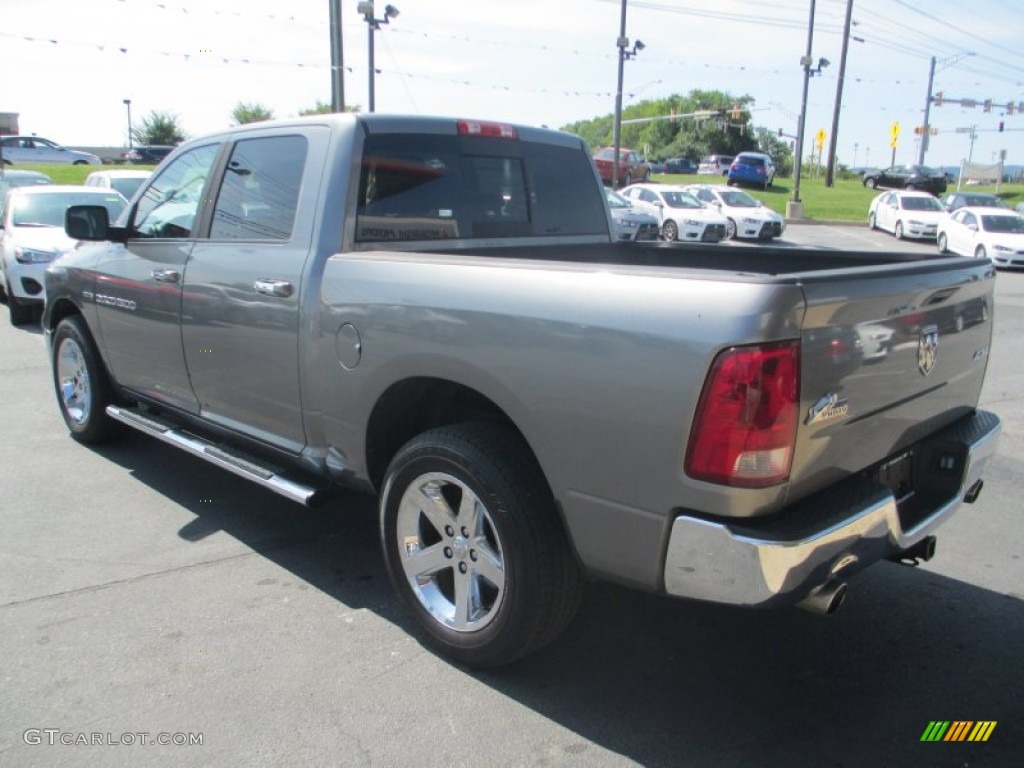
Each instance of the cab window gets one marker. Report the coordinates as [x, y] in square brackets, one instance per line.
[167, 209]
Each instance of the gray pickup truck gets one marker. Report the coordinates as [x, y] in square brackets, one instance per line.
[433, 310]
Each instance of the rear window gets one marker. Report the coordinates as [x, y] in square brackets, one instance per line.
[428, 187]
[746, 160]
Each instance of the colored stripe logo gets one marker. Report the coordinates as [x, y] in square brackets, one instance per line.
[958, 730]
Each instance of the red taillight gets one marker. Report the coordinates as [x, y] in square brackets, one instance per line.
[494, 130]
[745, 427]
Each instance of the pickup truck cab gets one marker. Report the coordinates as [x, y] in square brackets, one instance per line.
[434, 310]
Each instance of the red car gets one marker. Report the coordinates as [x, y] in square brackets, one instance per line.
[631, 165]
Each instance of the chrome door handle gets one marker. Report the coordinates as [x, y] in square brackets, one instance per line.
[270, 287]
[165, 275]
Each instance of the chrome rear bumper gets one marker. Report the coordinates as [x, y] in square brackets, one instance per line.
[831, 534]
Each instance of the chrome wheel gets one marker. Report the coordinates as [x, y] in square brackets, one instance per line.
[73, 381]
[730, 229]
[943, 245]
[670, 231]
[898, 231]
[450, 552]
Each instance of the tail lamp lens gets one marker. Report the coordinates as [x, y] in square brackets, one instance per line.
[745, 427]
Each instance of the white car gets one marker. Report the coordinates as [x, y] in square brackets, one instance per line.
[681, 215]
[995, 233]
[124, 181]
[906, 213]
[22, 150]
[33, 236]
[630, 224]
[746, 217]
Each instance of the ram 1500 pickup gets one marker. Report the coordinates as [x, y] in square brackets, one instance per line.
[434, 310]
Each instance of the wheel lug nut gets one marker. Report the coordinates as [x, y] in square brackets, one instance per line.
[448, 552]
[463, 567]
[465, 533]
[472, 555]
[449, 530]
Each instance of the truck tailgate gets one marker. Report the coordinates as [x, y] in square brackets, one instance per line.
[886, 360]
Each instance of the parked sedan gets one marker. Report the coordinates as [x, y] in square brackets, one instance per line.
[745, 216]
[147, 155]
[33, 236]
[984, 232]
[24, 150]
[124, 181]
[681, 215]
[955, 200]
[679, 165]
[908, 177]
[630, 224]
[631, 165]
[11, 179]
[906, 214]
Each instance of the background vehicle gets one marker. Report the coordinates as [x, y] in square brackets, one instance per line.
[33, 235]
[752, 168]
[416, 306]
[955, 200]
[631, 166]
[715, 165]
[630, 223]
[679, 165]
[745, 216]
[147, 154]
[14, 178]
[24, 150]
[124, 181]
[906, 214]
[909, 177]
[984, 232]
[680, 214]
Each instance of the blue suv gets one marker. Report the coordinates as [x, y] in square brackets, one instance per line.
[752, 168]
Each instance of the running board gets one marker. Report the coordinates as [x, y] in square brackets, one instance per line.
[240, 464]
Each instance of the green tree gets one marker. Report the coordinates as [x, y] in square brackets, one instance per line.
[250, 113]
[325, 109]
[158, 128]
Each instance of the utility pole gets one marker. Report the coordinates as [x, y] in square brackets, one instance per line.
[795, 209]
[337, 59]
[830, 172]
[927, 114]
[621, 44]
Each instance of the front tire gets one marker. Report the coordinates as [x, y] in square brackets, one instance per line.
[83, 389]
[870, 183]
[872, 222]
[942, 243]
[474, 545]
[80, 162]
[18, 312]
[980, 252]
[898, 230]
[670, 231]
[730, 229]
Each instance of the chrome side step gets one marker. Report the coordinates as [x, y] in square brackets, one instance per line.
[240, 464]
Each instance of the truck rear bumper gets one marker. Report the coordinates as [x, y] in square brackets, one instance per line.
[832, 534]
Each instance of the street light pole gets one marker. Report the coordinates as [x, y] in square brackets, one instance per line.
[795, 209]
[621, 44]
[128, 104]
[337, 59]
[373, 24]
[947, 62]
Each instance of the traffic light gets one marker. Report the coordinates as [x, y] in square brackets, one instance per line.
[988, 105]
[1000, 126]
[1010, 108]
[938, 99]
[780, 132]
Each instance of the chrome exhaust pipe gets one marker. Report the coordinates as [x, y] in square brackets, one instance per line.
[826, 599]
[923, 550]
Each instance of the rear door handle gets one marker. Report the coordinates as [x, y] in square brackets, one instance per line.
[165, 275]
[271, 287]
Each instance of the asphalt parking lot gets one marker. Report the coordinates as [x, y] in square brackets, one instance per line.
[146, 596]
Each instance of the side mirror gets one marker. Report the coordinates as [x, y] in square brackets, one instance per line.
[90, 222]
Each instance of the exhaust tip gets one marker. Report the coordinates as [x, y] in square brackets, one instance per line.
[826, 599]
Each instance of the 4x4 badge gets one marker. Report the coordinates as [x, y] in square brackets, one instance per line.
[927, 349]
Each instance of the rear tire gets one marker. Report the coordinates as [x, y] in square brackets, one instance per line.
[474, 545]
[872, 223]
[80, 162]
[870, 183]
[81, 383]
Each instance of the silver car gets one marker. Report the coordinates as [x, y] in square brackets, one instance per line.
[27, 150]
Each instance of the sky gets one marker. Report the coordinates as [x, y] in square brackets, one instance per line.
[69, 65]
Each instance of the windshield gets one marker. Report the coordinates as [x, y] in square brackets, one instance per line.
[920, 204]
[48, 210]
[680, 199]
[1009, 224]
[615, 200]
[736, 199]
[983, 201]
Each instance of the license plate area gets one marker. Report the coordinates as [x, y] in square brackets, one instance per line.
[897, 474]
